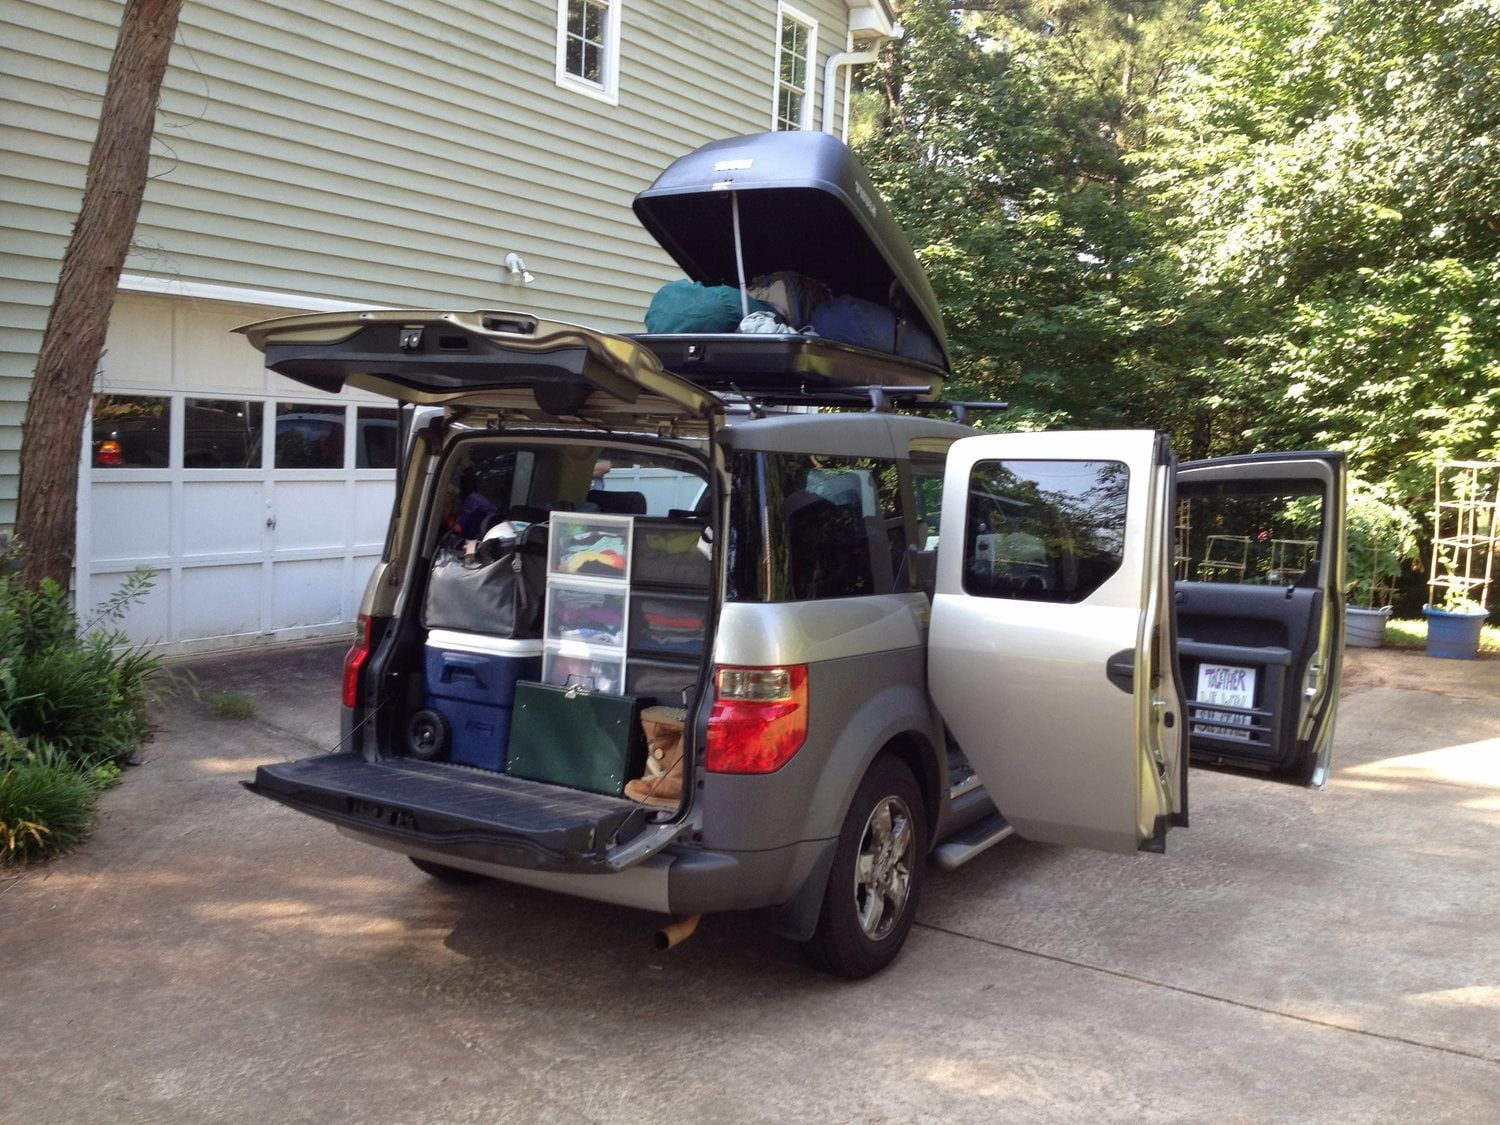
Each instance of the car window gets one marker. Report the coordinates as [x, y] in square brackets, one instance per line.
[824, 527]
[1262, 533]
[1051, 531]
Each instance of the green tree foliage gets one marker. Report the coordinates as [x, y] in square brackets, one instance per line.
[999, 134]
[1324, 183]
[1252, 223]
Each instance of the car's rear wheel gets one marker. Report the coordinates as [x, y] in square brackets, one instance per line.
[871, 898]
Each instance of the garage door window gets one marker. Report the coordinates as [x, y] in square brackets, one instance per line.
[132, 432]
[309, 437]
[221, 433]
[375, 438]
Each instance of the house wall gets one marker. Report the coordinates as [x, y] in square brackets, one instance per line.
[373, 152]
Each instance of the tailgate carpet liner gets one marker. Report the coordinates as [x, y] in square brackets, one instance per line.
[444, 803]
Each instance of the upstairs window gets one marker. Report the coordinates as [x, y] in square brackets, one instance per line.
[796, 44]
[588, 47]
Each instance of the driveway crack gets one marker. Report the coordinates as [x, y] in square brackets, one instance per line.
[1134, 978]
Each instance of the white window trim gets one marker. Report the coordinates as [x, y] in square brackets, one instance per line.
[786, 12]
[609, 92]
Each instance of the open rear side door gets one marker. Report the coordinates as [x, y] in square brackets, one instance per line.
[1051, 646]
[1260, 610]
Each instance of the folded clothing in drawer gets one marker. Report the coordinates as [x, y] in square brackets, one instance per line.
[671, 624]
[668, 553]
[665, 681]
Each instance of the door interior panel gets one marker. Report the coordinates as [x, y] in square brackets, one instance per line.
[1268, 631]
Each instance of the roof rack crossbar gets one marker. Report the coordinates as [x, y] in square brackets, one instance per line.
[882, 399]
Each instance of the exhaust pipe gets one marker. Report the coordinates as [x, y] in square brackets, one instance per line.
[676, 931]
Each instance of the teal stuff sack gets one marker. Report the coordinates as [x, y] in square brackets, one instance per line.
[688, 307]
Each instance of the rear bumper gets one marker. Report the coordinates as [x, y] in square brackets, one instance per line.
[674, 881]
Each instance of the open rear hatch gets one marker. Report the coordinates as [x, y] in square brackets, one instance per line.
[522, 371]
[536, 370]
[791, 201]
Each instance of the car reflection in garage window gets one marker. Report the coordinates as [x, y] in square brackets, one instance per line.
[132, 431]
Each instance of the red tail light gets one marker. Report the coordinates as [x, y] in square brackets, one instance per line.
[759, 719]
[108, 453]
[354, 661]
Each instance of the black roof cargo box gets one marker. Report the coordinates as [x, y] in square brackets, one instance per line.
[805, 205]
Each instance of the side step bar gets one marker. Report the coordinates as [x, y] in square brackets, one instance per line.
[980, 836]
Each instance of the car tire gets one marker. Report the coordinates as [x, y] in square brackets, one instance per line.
[871, 898]
[445, 874]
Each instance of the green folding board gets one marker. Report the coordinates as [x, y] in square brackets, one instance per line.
[581, 739]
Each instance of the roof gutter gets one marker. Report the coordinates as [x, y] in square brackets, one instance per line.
[869, 25]
[830, 75]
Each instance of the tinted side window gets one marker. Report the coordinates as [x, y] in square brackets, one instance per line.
[1051, 531]
[1256, 532]
[834, 527]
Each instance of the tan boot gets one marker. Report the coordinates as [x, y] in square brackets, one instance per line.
[661, 785]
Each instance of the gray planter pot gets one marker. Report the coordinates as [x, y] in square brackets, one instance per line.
[1365, 628]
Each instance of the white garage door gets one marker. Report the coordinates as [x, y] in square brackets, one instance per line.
[260, 505]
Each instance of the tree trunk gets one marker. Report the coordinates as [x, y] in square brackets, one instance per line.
[47, 512]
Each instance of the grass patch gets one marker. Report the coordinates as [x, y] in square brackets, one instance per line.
[1412, 633]
[232, 705]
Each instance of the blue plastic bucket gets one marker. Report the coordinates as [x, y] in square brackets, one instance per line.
[1453, 636]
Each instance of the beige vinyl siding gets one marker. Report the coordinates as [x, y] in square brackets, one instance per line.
[373, 151]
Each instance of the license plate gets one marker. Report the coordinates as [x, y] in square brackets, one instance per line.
[1232, 686]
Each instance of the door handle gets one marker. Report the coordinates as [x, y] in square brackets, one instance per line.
[1120, 670]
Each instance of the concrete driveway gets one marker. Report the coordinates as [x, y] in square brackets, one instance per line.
[210, 956]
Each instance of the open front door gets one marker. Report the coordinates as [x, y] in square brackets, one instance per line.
[1260, 610]
[1051, 648]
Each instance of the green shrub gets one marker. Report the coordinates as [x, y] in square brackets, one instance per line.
[76, 688]
[72, 711]
[43, 809]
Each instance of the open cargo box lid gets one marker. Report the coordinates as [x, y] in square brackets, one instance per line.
[806, 205]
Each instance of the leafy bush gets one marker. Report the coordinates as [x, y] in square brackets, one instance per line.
[72, 711]
[75, 687]
[1381, 537]
[43, 809]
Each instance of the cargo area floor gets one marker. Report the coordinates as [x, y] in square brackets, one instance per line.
[436, 802]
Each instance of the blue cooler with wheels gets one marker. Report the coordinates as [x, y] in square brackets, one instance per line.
[471, 685]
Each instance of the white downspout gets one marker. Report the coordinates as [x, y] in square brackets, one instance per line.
[830, 77]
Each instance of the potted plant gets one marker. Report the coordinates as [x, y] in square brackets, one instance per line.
[1453, 629]
[1379, 536]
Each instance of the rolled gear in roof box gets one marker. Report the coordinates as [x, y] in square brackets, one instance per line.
[801, 202]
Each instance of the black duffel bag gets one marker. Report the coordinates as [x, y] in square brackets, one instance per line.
[494, 586]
